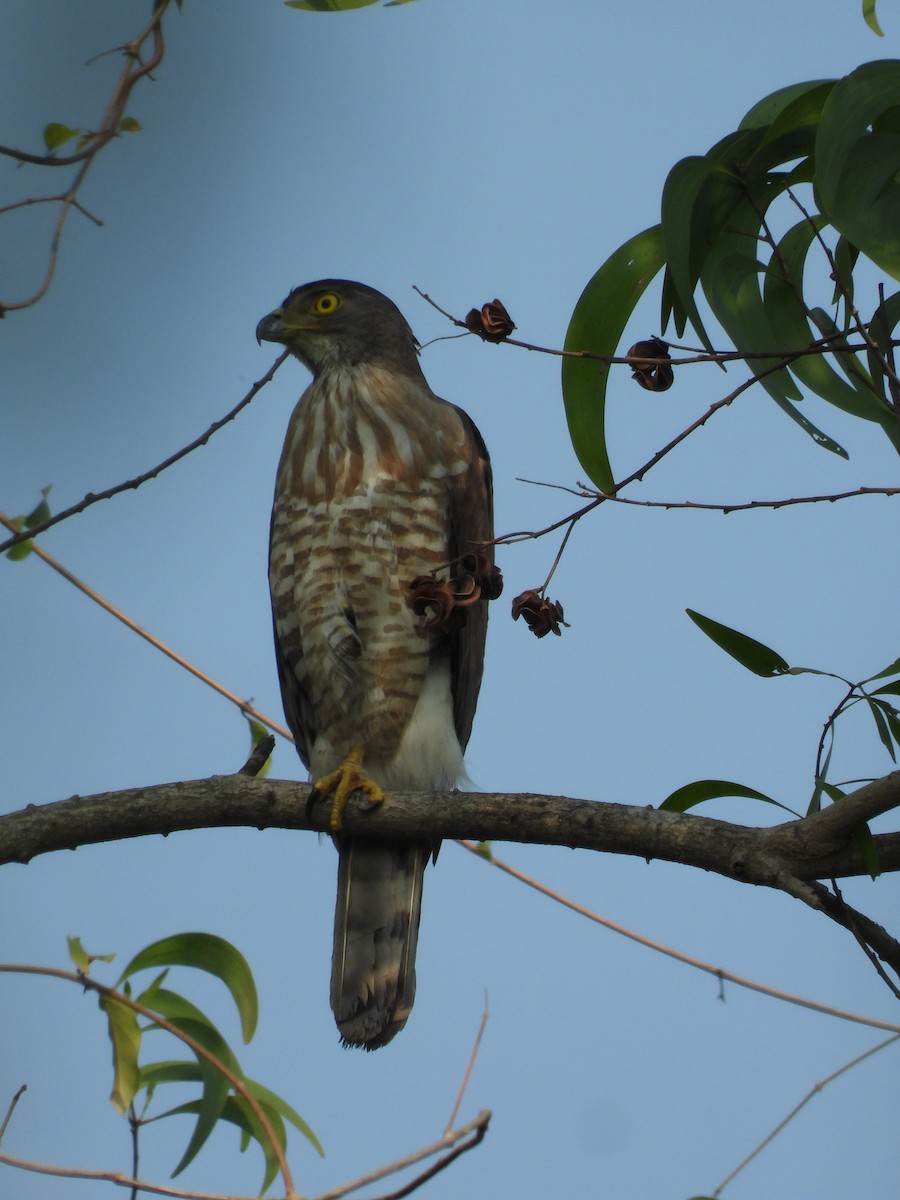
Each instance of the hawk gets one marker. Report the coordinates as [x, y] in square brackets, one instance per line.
[380, 568]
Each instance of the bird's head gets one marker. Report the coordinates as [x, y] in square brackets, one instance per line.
[337, 323]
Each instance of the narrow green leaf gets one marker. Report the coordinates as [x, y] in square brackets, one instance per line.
[130, 125]
[692, 794]
[21, 550]
[698, 196]
[881, 329]
[597, 325]
[857, 150]
[56, 134]
[38, 514]
[208, 953]
[870, 18]
[80, 956]
[893, 669]
[170, 1071]
[237, 1112]
[191, 1021]
[865, 844]
[41, 510]
[749, 653]
[881, 724]
[730, 282]
[783, 298]
[889, 689]
[125, 1036]
[769, 111]
[257, 733]
[280, 1106]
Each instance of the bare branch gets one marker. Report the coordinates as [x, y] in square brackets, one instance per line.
[689, 960]
[816, 847]
[130, 484]
[726, 508]
[133, 70]
[474, 1131]
[813, 1091]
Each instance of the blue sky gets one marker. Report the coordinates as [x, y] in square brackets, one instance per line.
[475, 150]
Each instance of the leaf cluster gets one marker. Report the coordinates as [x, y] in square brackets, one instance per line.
[762, 660]
[214, 1064]
[717, 240]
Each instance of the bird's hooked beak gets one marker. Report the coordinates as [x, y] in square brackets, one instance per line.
[271, 328]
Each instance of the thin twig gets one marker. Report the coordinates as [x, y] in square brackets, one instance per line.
[820, 346]
[130, 484]
[745, 506]
[238, 1084]
[816, 1088]
[84, 158]
[474, 1130]
[697, 963]
[12, 1105]
[243, 705]
[116, 1177]
[469, 1065]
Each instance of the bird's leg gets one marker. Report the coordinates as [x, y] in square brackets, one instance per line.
[342, 783]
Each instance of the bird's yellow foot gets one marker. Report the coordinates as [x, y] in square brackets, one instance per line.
[342, 783]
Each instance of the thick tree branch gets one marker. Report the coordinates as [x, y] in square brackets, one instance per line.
[787, 856]
[790, 857]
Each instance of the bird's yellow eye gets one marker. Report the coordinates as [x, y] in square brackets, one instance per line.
[326, 303]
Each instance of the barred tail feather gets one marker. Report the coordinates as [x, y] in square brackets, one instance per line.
[376, 928]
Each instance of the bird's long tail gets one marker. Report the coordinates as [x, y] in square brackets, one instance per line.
[376, 928]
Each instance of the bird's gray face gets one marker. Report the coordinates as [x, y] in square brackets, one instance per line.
[338, 323]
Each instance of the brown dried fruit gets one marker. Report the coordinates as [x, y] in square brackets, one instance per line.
[654, 376]
[542, 616]
[441, 601]
[492, 322]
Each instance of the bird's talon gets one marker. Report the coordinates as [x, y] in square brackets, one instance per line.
[343, 782]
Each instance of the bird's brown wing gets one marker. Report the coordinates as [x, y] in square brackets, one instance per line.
[297, 707]
[471, 529]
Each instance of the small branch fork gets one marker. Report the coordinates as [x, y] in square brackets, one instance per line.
[133, 71]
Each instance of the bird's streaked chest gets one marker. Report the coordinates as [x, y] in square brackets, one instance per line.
[361, 433]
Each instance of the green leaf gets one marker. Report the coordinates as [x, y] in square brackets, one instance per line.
[698, 196]
[237, 1112]
[125, 1036]
[21, 550]
[783, 294]
[208, 953]
[865, 844]
[257, 733]
[889, 689]
[692, 794]
[38, 514]
[789, 107]
[893, 669]
[129, 125]
[80, 956]
[191, 1021]
[870, 18]
[596, 326]
[857, 154]
[881, 329]
[284, 1110]
[56, 134]
[749, 653]
[876, 708]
